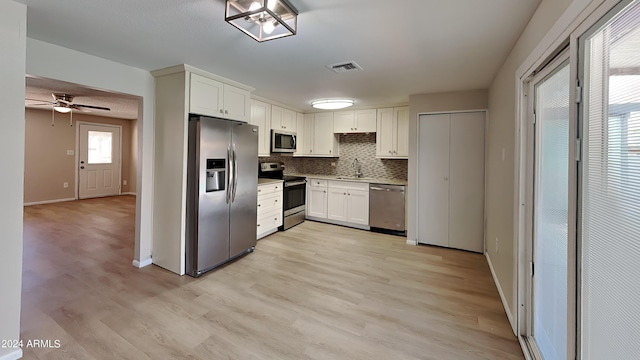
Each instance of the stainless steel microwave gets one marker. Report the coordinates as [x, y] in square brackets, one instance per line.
[283, 141]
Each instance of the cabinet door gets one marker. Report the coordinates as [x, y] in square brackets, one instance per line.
[466, 182]
[343, 121]
[307, 135]
[205, 96]
[365, 121]
[300, 129]
[358, 207]
[401, 119]
[277, 115]
[317, 202]
[261, 117]
[288, 120]
[323, 138]
[433, 175]
[237, 105]
[385, 133]
[337, 204]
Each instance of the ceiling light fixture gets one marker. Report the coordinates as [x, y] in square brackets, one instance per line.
[332, 104]
[62, 109]
[263, 20]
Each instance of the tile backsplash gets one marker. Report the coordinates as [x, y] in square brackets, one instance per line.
[352, 146]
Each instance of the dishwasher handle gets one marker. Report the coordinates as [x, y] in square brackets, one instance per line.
[376, 188]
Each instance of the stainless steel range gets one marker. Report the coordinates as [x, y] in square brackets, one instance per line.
[293, 195]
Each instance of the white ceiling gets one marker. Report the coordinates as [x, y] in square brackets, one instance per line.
[405, 47]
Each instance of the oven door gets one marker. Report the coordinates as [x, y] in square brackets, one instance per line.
[294, 195]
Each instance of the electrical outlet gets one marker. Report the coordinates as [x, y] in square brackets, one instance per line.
[70, 152]
[497, 245]
[124, 182]
[333, 164]
[65, 185]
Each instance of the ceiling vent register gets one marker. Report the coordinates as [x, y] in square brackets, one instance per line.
[345, 67]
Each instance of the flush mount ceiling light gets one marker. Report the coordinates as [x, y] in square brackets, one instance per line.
[332, 104]
[263, 19]
[62, 108]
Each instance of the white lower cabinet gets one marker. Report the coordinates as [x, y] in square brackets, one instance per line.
[339, 202]
[269, 208]
[348, 202]
[317, 198]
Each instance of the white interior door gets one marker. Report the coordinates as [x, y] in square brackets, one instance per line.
[466, 181]
[98, 160]
[433, 183]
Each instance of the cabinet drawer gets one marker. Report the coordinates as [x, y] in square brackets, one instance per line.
[269, 202]
[269, 220]
[269, 188]
[317, 182]
[349, 185]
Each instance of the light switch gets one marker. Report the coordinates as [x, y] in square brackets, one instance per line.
[65, 185]
[70, 152]
[124, 182]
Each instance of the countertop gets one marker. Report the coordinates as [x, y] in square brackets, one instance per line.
[263, 181]
[363, 179]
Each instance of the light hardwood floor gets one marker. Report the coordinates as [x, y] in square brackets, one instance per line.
[316, 291]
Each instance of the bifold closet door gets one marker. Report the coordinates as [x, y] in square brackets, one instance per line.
[451, 180]
[466, 181]
[433, 186]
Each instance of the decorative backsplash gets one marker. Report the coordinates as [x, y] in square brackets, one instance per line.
[352, 146]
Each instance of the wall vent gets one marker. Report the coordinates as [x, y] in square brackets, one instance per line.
[345, 67]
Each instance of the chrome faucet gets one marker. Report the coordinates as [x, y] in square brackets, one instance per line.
[356, 166]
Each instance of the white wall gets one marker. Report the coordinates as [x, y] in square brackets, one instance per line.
[55, 62]
[502, 135]
[13, 29]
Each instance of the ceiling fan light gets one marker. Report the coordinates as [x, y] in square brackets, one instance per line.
[62, 109]
[332, 104]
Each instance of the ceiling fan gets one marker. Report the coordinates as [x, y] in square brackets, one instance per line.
[63, 103]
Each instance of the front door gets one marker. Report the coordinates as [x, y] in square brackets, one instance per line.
[98, 160]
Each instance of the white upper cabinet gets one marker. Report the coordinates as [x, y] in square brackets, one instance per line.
[325, 142]
[392, 135]
[214, 98]
[354, 121]
[300, 138]
[261, 117]
[305, 148]
[283, 119]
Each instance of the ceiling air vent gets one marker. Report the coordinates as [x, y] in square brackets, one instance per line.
[344, 67]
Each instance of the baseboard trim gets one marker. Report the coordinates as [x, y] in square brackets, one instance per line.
[47, 202]
[504, 300]
[141, 264]
[128, 193]
[412, 242]
[14, 355]
[267, 233]
[341, 223]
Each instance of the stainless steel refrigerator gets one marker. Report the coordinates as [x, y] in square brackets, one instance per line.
[222, 186]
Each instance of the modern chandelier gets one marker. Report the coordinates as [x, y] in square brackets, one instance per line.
[263, 19]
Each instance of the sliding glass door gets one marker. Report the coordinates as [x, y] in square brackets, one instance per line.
[549, 242]
[610, 190]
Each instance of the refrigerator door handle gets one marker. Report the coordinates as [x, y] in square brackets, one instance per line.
[235, 174]
[230, 172]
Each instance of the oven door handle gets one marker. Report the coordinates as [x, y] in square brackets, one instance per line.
[295, 183]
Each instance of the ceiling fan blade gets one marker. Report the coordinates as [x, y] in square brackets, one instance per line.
[42, 104]
[41, 101]
[93, 107]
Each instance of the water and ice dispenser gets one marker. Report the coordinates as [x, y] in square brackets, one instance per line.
[216, 173]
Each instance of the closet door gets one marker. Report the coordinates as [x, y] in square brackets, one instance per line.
[433, 173]
[466, 181]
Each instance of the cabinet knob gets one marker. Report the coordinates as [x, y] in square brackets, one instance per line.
[329, 151]
[259, 205]
[221, 111]
[345, 193]
[274, 219]
[259, 190]
[258, 225]
[355, 129]
[390, 152]
[325, 191]
[226, 111]
[446, 178]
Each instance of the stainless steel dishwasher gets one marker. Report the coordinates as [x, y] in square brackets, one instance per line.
[386, 208]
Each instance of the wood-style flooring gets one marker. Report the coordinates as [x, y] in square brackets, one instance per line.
[316, 291]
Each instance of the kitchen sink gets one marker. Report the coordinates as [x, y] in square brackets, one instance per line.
[353, 178]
